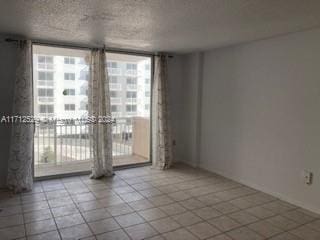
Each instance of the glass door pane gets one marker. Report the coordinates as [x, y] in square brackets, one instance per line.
[60, 77]
[130, 86]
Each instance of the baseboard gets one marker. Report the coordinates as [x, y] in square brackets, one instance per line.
[262, 189]
[191, 164]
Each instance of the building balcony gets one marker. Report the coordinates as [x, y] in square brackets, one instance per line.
[62, 149]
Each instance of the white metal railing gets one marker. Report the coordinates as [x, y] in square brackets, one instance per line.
[59, 144]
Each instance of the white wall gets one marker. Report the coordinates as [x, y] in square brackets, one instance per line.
[260, 121]
[175, 85]
[190, 108]
[7, 73]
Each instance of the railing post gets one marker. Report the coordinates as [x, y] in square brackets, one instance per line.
[55, 142]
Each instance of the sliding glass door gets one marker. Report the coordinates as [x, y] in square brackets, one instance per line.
[61, 141]
[130, 91]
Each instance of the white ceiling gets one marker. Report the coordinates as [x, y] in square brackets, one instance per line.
[157, 25]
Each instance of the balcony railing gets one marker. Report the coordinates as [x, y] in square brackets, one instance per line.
[59, 144]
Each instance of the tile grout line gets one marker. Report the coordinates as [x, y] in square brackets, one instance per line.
[166, 194]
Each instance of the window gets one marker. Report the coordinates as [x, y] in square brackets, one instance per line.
[45, 62]
[131, 94]
[45, 59]
[131, 108]
[55, 97]
[83, 105]
[113, 94]
[69, 76]
[84, 75]
[131, 80]
[147, 67]
[69, 60]
[43, 108]
[69, 92]
[45, 76]
[147, 94]
[84, 90]
[114, 108]
[147, 81]
[45, 92]
[112, 65]
[147, 107]
[131, 66]
[69, 107]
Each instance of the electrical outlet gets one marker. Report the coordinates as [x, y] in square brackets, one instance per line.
[307, 177]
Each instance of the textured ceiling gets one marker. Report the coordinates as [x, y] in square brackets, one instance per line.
[157, 25]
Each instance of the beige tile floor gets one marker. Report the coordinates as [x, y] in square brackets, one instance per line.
[141, 203]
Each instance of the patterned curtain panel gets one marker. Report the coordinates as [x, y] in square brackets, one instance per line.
[99, 105]
[161, 130]
[20, 174]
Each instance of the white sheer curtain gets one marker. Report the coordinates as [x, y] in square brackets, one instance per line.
[20, 174]
[99, 105]
[161, 130]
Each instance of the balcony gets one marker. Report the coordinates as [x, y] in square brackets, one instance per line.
[61, 149]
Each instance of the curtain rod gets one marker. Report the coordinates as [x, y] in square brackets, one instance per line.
[114, 50]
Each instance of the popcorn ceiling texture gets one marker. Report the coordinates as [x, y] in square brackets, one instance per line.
[157, 25]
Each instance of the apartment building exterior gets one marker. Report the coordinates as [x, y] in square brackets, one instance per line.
[61, 85]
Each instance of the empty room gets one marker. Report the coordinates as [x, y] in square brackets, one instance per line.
[159, 120]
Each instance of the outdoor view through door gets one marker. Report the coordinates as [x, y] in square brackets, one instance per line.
[61, 78]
